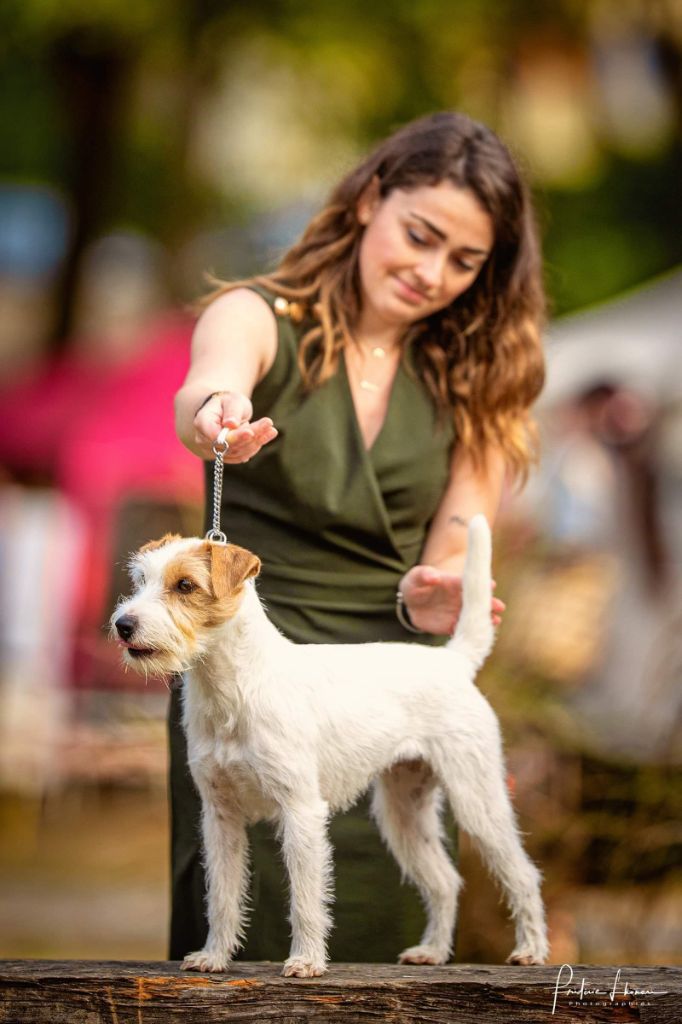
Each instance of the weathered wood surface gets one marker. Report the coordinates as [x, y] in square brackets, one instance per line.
[91, 992]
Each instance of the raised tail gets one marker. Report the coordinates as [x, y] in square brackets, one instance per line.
[475, 632]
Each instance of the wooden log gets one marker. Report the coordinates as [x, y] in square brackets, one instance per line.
[91, 992]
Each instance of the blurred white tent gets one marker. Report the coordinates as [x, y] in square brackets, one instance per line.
[633, 341]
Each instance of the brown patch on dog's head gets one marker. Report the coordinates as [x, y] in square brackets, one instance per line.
[152, 545]
[231, 567]
[204, 585]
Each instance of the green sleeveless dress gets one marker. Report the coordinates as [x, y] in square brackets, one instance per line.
[336, 526]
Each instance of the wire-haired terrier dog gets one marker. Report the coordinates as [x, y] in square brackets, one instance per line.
[292, 733]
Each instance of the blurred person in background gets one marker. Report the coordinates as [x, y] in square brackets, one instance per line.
[377, 387]
[632, 703]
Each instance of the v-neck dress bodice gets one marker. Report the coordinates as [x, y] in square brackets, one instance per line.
[335, 524]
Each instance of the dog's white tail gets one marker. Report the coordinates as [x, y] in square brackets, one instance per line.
[475, 632]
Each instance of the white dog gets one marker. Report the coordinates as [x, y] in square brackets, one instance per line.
[291, 733]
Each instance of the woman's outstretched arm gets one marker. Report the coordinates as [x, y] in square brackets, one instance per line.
[233, 347]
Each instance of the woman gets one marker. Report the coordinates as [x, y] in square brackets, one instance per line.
[377, 385]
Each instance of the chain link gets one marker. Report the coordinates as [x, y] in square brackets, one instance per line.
[220, 449]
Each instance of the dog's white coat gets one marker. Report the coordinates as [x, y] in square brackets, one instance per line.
[292, 733]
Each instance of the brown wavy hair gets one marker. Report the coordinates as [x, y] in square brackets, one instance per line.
[480, 357]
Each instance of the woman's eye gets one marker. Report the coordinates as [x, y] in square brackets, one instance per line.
[416, 237]
[185, 586]
[463, 265]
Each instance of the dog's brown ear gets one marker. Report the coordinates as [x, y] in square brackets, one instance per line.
[231, 566]
[152, 545]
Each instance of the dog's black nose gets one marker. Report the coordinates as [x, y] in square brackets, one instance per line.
[126, 626]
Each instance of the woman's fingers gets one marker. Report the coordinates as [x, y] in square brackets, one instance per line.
[248, 439]
[430, 592]
[439, 587]
[420, 579]
[244, 440]
[497, 607]
[225, 409]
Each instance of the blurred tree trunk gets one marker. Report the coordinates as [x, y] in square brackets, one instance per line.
[671, 59]
[91, 70]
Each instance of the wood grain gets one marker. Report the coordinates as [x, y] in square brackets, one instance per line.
[92, 992]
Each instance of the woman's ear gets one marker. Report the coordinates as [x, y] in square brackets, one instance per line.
[370, 198]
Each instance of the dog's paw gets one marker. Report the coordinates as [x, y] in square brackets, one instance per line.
[297, 967]
[422, 955]
[205, 960]
[525, 958]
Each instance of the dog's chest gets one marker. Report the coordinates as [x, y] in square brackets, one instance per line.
[239, 781]
[237, 776]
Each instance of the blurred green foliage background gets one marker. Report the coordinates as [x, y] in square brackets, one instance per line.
[179, 118]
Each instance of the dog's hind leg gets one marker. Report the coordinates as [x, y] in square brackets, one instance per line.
[480, 803]
[226, 861]
[406, 807]
[308, 857]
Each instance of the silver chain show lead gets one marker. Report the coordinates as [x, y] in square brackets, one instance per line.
[220, 449]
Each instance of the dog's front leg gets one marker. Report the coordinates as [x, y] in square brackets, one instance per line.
[308, 858]
[226, 862]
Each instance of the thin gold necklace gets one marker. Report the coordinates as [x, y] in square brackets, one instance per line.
[376, 352]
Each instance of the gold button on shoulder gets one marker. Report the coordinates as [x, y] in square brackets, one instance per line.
[294, 310]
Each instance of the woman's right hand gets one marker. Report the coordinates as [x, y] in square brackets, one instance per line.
[233, 410]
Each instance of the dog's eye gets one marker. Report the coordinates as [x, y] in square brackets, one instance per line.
[185, 586]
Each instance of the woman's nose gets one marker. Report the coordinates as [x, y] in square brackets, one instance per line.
[430, 271]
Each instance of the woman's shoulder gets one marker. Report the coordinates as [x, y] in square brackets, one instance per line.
[246, 301]
[240, 316]
[259, 306]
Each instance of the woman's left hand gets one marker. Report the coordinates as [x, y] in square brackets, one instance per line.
[434, 599]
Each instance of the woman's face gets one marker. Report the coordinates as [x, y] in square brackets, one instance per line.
[421, 249]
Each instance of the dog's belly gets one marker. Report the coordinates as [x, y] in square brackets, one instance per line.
[344, 779]
[341, 793]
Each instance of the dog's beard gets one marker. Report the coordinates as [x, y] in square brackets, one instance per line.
[155, 662]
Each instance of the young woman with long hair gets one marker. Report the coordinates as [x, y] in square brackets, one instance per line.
[377, 386]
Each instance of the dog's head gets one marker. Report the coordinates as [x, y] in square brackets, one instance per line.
[183, 590]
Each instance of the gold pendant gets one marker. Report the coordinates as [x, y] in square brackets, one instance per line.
[368, 385]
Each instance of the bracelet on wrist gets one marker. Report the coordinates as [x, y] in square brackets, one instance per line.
[214, 394]
[403, 615]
